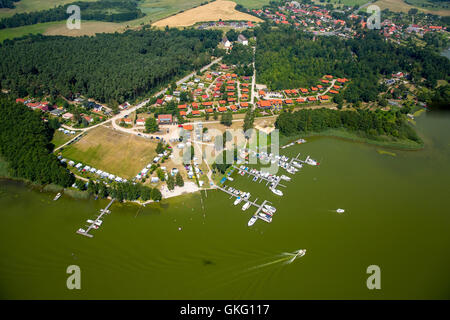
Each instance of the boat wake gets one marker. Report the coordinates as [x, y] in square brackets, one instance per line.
[288, 258]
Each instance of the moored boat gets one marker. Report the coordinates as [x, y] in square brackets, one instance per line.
[238, 199]
[246, 206]
[277, 192]
[252, 221]
[57, 196]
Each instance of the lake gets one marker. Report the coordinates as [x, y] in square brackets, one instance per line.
[396, 216]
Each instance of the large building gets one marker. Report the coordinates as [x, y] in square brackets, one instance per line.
[164, 118]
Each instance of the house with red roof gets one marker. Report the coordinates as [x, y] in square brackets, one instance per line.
[164, 118]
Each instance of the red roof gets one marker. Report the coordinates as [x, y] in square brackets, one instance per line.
[165, 117]
[182, 113]
[195, 112]
[182, 106]
[222, 109]
[324, 97]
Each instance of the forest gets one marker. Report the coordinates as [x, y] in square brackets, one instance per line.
[8, 3]
[242, 57]
[287, 59]
[25, 145]
[365, 123]
[111, 68]
[102, 10]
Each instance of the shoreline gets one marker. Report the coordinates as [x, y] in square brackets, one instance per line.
[351, 137]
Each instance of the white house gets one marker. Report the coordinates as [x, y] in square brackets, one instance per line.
[242, 40]
[225, 42]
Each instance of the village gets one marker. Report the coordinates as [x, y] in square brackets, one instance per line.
[325, 20]
[217, 97]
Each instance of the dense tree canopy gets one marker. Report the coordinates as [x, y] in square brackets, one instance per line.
[367, 123]
[110, 68]
[25, 145]
[8, 3]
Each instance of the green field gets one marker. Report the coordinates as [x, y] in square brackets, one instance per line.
[252, 4]
[59, 138]
[350, 3]
[429, 5]
[12, 33]
[34, 5]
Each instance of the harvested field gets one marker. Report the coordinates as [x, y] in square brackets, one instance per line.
[88, 28]
[214, 11]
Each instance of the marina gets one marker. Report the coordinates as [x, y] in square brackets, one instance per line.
[95, 224]
[264, 211]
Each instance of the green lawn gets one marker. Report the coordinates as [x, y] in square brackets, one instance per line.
[12, 33]
[59, 138]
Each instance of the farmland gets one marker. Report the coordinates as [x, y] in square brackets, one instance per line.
[401, 6]
[34, 5]
[214, 11]
[120, 153]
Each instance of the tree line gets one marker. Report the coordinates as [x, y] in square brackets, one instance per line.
[102, 10]
[111, 68]
[371, 124]
[25, 143]
[8, 3]
[121, 191]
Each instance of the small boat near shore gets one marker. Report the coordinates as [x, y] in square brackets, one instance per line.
[57, 196]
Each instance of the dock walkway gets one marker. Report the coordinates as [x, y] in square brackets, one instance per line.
[92, 225]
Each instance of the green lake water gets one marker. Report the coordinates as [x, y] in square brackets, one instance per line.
[397, 217]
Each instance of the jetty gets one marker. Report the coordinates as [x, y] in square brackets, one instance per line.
[97, 222]
[275, 182]
[259, 207]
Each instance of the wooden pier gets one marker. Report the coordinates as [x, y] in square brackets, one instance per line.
[92, 225]
[253, 203]
[276, 183]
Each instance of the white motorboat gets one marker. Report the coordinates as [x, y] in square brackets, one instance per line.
[230, 178]
[270, 208]
[340, 210]
[297, 254]
[57, 196]
[246, 206]
[267, 212]
[238, 199]
[285, 178]
[265, 217]
[252, 221]
[311, 162]
[277, 192]
[81, 230]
